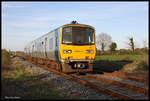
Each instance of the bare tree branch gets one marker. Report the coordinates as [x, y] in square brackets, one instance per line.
[103, 40]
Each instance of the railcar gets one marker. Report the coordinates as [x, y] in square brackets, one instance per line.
[71, 45]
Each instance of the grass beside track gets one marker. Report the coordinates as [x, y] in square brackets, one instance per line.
[19, 83]
[120, 57]
[126, 63]
[27, 86]
[5, 57]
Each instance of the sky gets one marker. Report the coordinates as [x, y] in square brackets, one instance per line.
[23, 22]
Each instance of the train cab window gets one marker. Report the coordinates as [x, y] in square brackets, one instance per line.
[89, 36]
[78, 36]
[67, 35]
[78, 39]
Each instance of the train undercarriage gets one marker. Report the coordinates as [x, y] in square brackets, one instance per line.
[65, 66]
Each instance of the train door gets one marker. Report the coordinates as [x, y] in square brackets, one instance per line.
[56, 45]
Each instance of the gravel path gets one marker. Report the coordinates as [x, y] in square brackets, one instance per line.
[71, 87]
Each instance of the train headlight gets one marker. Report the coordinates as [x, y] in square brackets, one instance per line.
[67, 51]
[89, 51]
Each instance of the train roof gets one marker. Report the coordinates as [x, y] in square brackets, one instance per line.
[76, 23]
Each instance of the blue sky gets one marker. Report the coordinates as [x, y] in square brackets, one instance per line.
[23, 22]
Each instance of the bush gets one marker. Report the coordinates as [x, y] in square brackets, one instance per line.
[5, 57]
[141, 64]
[137, 51]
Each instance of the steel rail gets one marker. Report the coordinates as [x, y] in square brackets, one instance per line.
[111, 92]
[132, 74]
[110, 81]
[126, 77]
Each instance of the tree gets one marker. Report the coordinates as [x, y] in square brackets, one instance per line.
[131, 43]
[113, 47]
[103, 40]
[145, 46]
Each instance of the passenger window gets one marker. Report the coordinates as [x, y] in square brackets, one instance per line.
[51, 43]
[39, 46]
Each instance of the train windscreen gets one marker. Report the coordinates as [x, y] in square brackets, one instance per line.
[78, 36]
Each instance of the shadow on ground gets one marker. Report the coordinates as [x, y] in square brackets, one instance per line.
[28, 87]
[109, 66]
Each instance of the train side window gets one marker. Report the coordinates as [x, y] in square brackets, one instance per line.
[51, 43]
[45, 42]
[39, 46]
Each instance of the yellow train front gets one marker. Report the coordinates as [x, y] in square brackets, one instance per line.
[77, 48]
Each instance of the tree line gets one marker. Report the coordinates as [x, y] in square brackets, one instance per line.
[103, 41]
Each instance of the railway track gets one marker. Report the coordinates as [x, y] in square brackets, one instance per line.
[77, 79]
[121, 84]
[132, 74]
[127, 77]
[112, 87]
[115, 87]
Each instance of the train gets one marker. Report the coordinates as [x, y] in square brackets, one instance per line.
[72, 46]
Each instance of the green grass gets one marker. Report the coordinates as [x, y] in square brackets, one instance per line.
[5, 57]
[28, 86]
[120, 57]
[18, 82]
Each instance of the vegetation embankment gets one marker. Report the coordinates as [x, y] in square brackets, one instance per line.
[5, 57]
[137, 65]
[20, 83]
[126, 63]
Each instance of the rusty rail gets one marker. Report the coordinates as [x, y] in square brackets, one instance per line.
[132, 74]
[116, 94]
[126, 77]
[139, 89]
